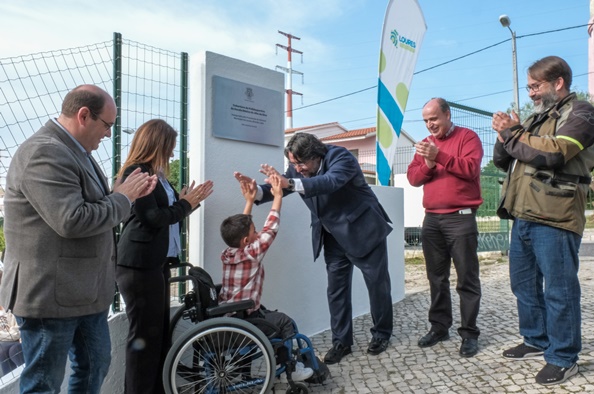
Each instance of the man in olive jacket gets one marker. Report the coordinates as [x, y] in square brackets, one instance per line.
[548, 158]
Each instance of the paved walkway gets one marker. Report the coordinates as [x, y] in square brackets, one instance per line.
[406, 368]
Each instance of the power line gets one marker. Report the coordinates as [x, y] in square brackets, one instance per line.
[461, 57]
[450, 61]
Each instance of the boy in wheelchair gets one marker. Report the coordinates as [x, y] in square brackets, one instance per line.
[243, 272]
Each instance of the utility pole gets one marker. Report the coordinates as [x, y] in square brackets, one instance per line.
[289, 70]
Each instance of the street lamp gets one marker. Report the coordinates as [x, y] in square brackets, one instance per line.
[506, 22]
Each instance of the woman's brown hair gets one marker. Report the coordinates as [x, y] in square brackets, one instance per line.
[152, 145]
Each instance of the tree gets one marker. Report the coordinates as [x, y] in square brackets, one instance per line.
[174, 172]
[491, 179]
[2, 241]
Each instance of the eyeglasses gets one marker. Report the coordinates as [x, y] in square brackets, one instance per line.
[298, 165]
[535, 87]
[107, 125]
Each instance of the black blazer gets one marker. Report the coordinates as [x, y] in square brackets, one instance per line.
[145, 235]
[341, 201]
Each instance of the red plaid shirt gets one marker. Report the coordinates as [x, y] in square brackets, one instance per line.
[243, 272]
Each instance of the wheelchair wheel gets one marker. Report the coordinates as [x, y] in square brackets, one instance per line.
[299, 388]
[220, 355]
[179, 326]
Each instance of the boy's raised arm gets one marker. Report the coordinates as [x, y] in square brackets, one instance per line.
[249, 190]
[277, 191]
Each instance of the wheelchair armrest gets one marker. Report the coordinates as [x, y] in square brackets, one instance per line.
[230, 307]
[180, 265]
[185, 278]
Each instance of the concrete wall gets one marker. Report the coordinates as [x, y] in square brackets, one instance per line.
[294, 283]
[413, 201]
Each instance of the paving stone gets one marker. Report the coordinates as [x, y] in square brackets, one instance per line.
[406, 368]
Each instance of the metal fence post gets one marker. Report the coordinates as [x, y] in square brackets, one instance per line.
[183, 157]
[117, 129]
[117, 96]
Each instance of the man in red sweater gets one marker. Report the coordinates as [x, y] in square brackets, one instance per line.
[448, 164]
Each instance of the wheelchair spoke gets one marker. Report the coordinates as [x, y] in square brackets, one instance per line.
[220, 355]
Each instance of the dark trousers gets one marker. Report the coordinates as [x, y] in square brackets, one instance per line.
[273, 324]
[374, 267]
[146, 294]
[445, 238]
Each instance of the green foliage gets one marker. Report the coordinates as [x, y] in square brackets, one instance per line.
[174, 172]
[2, 241]
[490, 169]
[490, 189]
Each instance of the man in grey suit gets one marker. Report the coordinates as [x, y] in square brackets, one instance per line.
[60, 253]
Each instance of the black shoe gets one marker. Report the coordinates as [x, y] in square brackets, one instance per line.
[523, 352]
[337, 352]
[432, 338]
[377, 346]
[469, 347]
[551, 374]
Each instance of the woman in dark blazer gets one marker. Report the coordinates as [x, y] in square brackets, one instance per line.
[149, 243]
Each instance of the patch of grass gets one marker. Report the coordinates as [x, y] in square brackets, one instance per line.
[420, 260]
[416, 260]
[590, 221]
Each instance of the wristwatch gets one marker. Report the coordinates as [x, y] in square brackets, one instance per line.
[291, 186]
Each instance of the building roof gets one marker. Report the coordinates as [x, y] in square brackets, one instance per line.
[353, 134]
[347, 135]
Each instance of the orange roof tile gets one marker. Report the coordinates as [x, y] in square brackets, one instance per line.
[351, 134]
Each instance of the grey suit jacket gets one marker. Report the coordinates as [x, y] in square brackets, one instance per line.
[60, 252]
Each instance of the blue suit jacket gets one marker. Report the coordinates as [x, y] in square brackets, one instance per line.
[342, 202]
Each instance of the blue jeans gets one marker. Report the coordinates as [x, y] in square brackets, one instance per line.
[543, 267]
[48, 342]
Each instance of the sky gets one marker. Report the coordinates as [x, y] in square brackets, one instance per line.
[340, 43]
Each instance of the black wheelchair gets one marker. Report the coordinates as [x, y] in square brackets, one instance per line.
[213, 353]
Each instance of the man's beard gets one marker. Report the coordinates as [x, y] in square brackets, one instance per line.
[547, 100]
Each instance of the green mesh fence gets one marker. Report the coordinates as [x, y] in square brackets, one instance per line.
[493, 232]
[146, 83]
[32, 88]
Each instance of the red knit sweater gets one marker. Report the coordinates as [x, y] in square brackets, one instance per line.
[454, 182]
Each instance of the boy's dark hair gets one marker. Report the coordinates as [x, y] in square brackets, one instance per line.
[234, 228]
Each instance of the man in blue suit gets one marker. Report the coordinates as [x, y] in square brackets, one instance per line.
[350, 223]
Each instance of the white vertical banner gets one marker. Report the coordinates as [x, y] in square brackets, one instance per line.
[402, 34]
